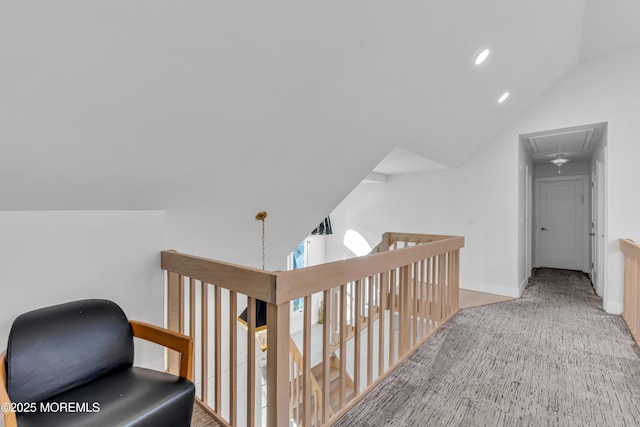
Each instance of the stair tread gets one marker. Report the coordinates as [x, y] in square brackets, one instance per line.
[334, 397]
[333, 374]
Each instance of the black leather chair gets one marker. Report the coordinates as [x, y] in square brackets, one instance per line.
[72, 365]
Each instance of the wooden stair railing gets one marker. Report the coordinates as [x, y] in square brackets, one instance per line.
[377, 310]
[631, 313]
[297, 389]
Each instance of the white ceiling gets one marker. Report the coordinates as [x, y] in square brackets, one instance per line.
[400, 161]
[237, 107]
[609, 26]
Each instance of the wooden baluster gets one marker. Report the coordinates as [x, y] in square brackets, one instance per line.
[173, 318]
[446, 286]
[633, 297]
[354, 307]
[635, 282]
[343, 346]
[371, 291]
[630, 295]
[292, 388]
[306, 361]
[296, 391]
[357, 343]
[326, 355]
[631, 269]
[449, 299]
[335, 321]
[204, 342]
[192, 317]
[442, 271]
[455, 280]
[405, 311]
[251, 361]
[363, 296]
[424, 301]
[181, 304]
[278, 364]
[192, 308]
[436, 293]
[636, 296]
[626, 309]
[233, 357]
[392, 315]
[430, 294]
[217, 293]
[384, 291]
[414, 305]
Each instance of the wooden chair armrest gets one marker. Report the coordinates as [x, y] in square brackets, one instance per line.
[8, 416]
[170, 339]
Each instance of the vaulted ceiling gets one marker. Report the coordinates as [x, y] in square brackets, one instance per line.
[155, 104]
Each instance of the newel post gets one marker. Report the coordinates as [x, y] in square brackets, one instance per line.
[174, 317]
[385, 242]
[278, 364]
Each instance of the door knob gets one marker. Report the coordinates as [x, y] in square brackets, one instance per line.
[543, 229]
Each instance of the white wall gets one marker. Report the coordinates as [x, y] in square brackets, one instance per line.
[404, 204]
[526, 235]
[472, 200]
[52, 257]
[480, 199]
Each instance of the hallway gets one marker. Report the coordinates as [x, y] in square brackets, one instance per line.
[553, 357]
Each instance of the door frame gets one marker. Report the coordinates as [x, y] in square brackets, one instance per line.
[585, 216]
[599, 223]
[528, 212]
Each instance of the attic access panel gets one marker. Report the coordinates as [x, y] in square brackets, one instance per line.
[564, 142]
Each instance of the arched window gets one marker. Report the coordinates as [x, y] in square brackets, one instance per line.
[356, 243]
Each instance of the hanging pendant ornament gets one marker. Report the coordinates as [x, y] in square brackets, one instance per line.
[261, 216]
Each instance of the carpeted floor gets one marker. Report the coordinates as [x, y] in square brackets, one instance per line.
[201, 419]
[551, 358]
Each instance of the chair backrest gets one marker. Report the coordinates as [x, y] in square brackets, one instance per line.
[54, 349]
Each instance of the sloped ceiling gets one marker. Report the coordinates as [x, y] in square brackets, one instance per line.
[609, 26]
[235, 107]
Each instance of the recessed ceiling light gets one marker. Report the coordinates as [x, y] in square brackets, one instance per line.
[503, 97]
[482, 56]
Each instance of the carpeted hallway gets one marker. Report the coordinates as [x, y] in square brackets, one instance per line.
[551, 358]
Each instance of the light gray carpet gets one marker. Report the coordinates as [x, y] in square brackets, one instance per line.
[551, 358]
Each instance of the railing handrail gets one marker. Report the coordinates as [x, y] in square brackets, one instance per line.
[414, 237]
[390, 238]
[278, 287]
[630, 248]
[252, 282]
[305, 281]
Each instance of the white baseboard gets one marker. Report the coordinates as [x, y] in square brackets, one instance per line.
[613, 307]
[523, 286]
[490, 288]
